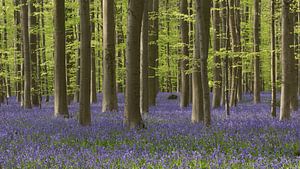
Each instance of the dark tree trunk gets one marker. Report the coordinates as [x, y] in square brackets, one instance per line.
[60, 86]
[144, 61]
[273, 59]
[133, 117]
[17, 53]
[216, 102]
[184, 98]
[85, 64]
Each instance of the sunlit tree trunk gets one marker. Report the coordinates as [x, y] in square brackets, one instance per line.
[26, 52]
[109, 102]
[133, 117]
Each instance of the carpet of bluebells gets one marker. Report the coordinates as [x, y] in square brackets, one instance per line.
[249, 138]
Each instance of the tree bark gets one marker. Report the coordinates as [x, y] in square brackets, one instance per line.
[256, 42]
[287, 26]
[85, 64]
[109, 102]
[60, 86]
[33, 45]
[133, 117]
[273, 59]
[17, 52]
[93, 55]
[144, 61]
[27, 71]
[216, 102]
[184, 99]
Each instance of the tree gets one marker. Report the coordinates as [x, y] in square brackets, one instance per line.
[144, 60]
[287, 26]
[217, 60]
[25, 48]
[184, 100]
[197, 106]
[109, 102]
[153, 50]
[93, 55]
[256, 41]
[133, 117]
[203, 22]
[273, 59]
[85, 64]
[60, 87]
[17, 46]
[33, 45]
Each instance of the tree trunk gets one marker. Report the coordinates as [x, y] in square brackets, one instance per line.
[287, 26]
[27, 64]
[217, 60]
[184, 99]
[60, 86]
[85, 64]
[144, 61]
[44, 60]
[256, 42]
[133, 117]
[109, 102]
[93, 55]
[273, 59]
[33, 45]
[153, 50]
[17, 53]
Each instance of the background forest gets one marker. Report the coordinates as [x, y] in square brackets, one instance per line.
[198, 83]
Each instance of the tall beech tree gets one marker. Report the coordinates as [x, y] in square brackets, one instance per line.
[33, 45]
[60, 87]
[109, 102]
[273, 59]
[26, 53]
[133, 117]
[144, 61]
[256, 42]
[85, 63]
[17, 52]
[286, 59]
[216, 101]
[184, 99]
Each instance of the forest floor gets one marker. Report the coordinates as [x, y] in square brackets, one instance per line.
[249, 138]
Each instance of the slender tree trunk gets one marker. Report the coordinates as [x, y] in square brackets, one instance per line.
[85, 64]
[273, 59]
[17, 51]
[217, 60]
[44, 60]
[27, 72]
[197, 106]
[144, 61]
[109, 102]
[133, 117]
[256, 27]
[184, 99]
[60, 87]
[169, 78]
[33, 51]
[287, 26]
[93, 55]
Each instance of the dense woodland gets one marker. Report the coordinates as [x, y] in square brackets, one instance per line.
[216, 56]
